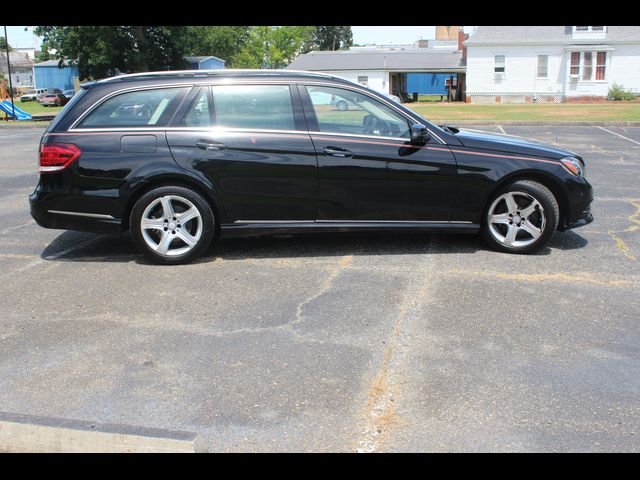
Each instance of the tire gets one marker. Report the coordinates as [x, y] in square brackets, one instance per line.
[342, 106]
[160, 233]
[524, 226]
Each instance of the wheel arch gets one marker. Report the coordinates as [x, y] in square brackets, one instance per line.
[541, 177]
[179, 181]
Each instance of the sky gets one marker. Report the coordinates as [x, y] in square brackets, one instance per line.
[18, 37]
[405, 34]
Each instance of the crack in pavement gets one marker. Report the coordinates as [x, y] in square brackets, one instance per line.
[379, 415]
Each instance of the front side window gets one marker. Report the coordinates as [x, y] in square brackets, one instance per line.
[344, 111]
[253, 107]
[142, 108]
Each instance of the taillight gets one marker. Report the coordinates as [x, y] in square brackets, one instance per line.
[55, 157]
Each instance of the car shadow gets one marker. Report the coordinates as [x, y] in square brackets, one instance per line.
[73, 246]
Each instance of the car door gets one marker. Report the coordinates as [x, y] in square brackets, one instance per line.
[368, 168]
[250, 142]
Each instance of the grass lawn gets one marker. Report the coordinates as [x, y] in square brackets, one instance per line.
[34, 108]
[619, 111]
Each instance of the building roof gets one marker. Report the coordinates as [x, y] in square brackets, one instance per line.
[52, 63]
[17, 59]
[423, 59]
[486, 35]
[199, 59]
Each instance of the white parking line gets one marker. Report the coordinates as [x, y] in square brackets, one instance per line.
[618, 135]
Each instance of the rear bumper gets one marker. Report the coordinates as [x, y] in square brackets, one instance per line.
[71, 212]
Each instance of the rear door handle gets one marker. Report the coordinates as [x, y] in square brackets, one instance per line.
[337, 152]
[209, 145]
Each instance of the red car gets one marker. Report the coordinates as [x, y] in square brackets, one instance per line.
[53, 100]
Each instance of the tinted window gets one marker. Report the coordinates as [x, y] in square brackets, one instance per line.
[198, 114]
[345, 111]
[253, 106]
[136, 109]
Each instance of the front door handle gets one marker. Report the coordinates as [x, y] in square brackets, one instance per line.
[209, 145]
[337, 152]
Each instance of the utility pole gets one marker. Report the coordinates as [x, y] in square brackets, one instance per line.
[6, 42]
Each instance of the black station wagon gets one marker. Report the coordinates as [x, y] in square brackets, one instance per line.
[180, 157]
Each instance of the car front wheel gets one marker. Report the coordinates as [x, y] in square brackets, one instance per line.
[521, 217]
[172, 225]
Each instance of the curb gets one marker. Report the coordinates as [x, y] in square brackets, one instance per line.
[31, 434]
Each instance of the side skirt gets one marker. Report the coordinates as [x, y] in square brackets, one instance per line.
[248, 228]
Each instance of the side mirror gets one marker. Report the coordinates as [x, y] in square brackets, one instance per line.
[419, 134]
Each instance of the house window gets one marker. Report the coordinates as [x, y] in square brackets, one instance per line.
[499, 64]
[589, 29]
[543, 66]
[575, 63]
[364, 80]
[601, 63]
[587, 65]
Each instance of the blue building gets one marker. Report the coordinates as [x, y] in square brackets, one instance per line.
[204, 63]
[428, 83]
[49, 75]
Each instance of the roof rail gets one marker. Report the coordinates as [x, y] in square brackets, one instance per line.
[196, 73]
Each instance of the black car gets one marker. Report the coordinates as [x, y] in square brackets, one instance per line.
[181, 157]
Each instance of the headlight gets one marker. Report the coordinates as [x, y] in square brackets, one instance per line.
[574, 166]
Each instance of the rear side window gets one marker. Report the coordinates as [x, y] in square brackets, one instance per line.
[253, 106]
[142, 108]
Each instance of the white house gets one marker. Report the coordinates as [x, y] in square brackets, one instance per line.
[382, 69]
[551, 64]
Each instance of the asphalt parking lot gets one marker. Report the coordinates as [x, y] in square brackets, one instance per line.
[335, 343]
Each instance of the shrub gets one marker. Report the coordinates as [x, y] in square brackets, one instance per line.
[617, 92]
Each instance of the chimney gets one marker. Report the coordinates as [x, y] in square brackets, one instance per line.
[461, 38]
[446, 33]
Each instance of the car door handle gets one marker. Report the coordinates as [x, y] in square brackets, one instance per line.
[207, 145]
[337, 152]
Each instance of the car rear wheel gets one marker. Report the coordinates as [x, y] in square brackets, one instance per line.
[521, 217]
[172, 225]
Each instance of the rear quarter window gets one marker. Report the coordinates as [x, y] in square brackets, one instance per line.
[140, 108]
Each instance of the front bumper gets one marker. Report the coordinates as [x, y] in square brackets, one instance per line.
[578, 212]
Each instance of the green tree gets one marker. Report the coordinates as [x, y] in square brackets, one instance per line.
[101, 51]
[43, 54]
[3, 45]
[330, 38]
[273, 47]
[220, 41]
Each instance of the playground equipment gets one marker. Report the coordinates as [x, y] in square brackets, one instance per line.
[10, 109]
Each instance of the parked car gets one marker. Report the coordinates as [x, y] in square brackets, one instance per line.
[53, 100]
[240, 153]
[395, 98]
[32, 95]
[69, 93]
[49, 91]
